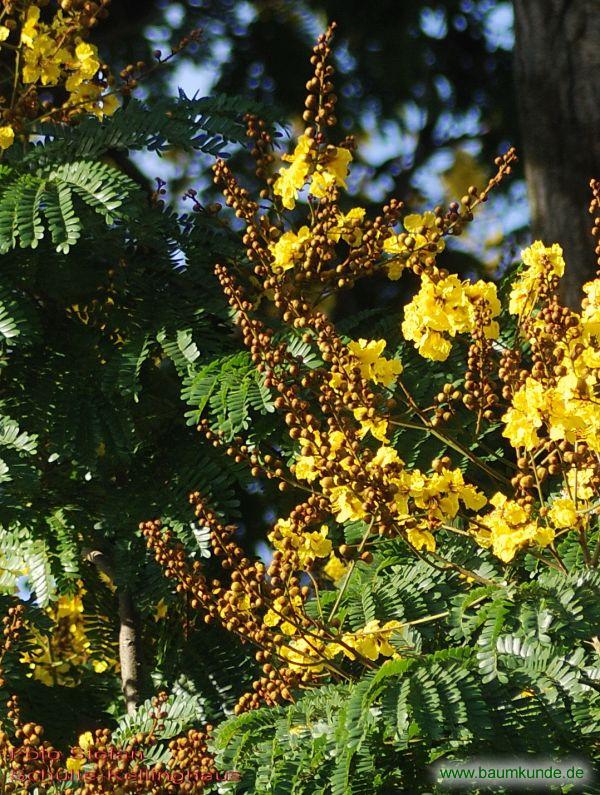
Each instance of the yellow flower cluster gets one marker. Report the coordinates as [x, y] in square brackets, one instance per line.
[509, 528]
[373, 366]
[50, 56]
[274, 617]
[423, 239]
[325, 169]
[57, 658]
[563, 407]
[437, 496]
[568, 410]
[369, 642]
[348, 227]
[444, 308]
[563, 513]
[307, 545]
[541, 262]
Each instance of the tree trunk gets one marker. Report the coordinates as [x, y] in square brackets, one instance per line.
[557, 70]
[128, 634]
[128, 651]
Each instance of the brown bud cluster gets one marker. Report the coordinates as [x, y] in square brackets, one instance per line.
[262, 145]
[480, 387]
[321, 100]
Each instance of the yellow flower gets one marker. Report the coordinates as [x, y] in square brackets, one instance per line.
[447, 307]
[305, 468]
[426, 242]
[348, 227]
[333, 171]
[335, 569]
[86, 98]
[508, 529]
[110, 103]
[303, 655]
[291, 179]
[367, 352]
[372, 365]
[318, 543]
[579, 482]
[345, 504]
[289, 249]
[7, 137]
[275, 617]
[384, 457]
[86, 740]
[88, 62]
[571, 410]
[307, 545]
[524, 416]
[590, 315]
[74, 764]
[161, 610]
[421, 539]
[4, 32]
[42, 62]
[433, 345]
[539, 257]
[29, 29]
[394, 244]
[377, 426]
[487, 293]
[563, 513]
[371, 641]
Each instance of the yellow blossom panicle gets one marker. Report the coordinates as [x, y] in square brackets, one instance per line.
[420, 244]
[326, 168]
[51, 53]
[542, 263]
[446, 307]
[509, 528]
[58, 658]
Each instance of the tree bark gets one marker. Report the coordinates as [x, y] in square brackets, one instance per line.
[557, 71]
[128, 651]
[128, 635]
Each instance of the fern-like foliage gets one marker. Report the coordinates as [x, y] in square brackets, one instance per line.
[519, 674]
[49, 201]
[205, 124]
[110, 320]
